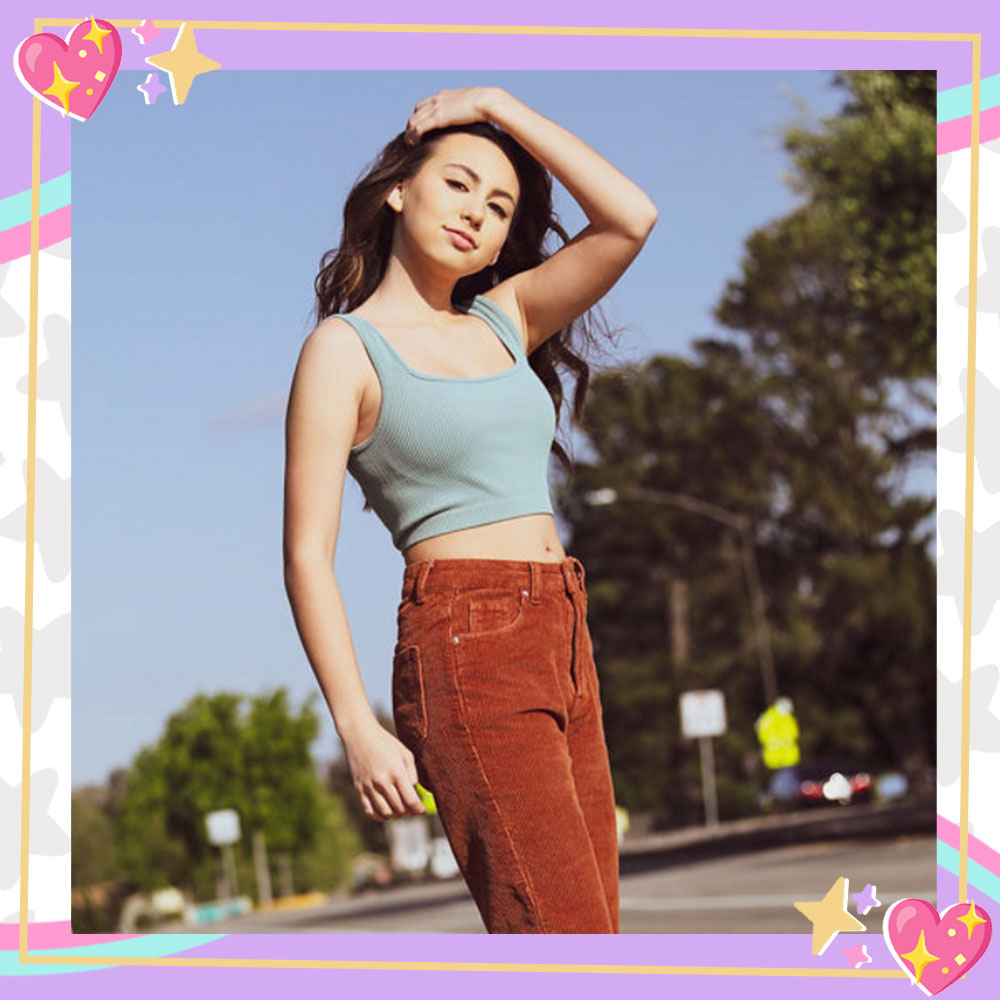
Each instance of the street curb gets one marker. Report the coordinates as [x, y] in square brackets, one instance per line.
[759, 833]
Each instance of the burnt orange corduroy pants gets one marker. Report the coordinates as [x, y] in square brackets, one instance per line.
[495, 692]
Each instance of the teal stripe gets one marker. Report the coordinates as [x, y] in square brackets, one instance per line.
[957, 102]
[16, 210]
[146, 946]
[978, 876]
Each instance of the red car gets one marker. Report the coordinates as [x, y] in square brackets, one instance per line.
[819, 782]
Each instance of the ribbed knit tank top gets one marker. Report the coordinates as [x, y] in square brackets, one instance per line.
[449, 453]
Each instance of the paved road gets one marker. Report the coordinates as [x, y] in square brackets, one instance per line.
[746, 893]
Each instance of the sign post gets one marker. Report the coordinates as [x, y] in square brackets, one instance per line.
[703, 715]
[223, 826]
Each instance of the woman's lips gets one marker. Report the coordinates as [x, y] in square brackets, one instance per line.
[461, 241]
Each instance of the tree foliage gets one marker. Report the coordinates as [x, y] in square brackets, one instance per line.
[218, 752]
[805, 420]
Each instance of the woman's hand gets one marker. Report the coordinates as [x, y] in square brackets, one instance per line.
[448, 107]
[384, 773]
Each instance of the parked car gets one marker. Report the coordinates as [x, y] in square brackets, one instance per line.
[820, 782]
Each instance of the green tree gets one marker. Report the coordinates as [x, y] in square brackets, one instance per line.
[836, 307]
[805, 422]
[217, 752]
[93, 854]
[325, 865]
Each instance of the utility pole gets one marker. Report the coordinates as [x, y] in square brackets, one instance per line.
[743, 525]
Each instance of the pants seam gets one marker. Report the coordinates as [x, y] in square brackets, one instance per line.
[503, 823]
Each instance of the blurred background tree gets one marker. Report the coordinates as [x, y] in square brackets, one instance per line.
[808, 421]
[146, 830]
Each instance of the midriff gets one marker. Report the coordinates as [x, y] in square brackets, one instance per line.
[531, 538]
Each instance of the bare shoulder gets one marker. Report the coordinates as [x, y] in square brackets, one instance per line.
[504, 295]
[321, 423]
[334, 351]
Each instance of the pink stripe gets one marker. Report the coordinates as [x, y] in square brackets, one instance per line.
[957, 134]
[52, 228]
[54, 935]
[981, 853]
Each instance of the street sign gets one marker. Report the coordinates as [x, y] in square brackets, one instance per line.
[223, 827]
[703, 713]
[409, 843]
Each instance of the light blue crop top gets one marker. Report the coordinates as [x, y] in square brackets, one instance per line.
[449, 453]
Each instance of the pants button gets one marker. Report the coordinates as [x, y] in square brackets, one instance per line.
[454, 638]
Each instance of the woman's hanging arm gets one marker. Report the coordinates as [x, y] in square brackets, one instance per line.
[321, 422]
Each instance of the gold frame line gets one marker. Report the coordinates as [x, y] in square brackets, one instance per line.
[24, 957]
[531, 29]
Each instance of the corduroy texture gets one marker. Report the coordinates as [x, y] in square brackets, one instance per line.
[495, 692]
[451, 453]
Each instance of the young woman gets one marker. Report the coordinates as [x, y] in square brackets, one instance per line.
[417, 380]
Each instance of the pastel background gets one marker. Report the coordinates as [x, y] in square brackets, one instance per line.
[50, 750]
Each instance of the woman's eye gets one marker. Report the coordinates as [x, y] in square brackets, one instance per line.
[499, 211]
[457, 184]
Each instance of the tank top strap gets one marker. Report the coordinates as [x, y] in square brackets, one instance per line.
[502, 324]
[383, 356]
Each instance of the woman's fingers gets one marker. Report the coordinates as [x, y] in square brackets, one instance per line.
[390, 793]
[381, 808]
[446, 107]
[419, 122]
[388, 801]
[367, 806]
[410, 798]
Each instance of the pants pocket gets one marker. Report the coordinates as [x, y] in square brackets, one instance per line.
[409, 708]
[487, 612]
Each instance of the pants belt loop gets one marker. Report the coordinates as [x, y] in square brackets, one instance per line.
[421, 581]
[536, 583]
[567, 572]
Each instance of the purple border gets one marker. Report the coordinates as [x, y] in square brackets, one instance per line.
[767, 950]
[237, 50]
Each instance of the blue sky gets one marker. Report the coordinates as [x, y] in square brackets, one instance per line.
[197, 231]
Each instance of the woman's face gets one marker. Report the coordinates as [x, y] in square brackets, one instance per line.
[457, 208]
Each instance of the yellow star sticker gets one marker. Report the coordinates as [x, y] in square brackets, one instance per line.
[919, 957]
[183, 63]
[96, 35]
[829, 916]
[970, 919]
[60, 87]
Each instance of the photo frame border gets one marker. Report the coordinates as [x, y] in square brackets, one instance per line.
[25, 956]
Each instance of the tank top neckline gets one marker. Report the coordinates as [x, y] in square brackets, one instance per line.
[475, 309]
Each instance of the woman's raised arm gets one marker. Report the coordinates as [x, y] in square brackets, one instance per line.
[621, 214]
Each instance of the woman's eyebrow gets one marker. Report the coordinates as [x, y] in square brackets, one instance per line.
[476, 178]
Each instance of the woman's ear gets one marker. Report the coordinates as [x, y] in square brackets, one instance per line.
[395, 197]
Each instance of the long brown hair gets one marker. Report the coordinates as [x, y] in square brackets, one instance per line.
[350, 273]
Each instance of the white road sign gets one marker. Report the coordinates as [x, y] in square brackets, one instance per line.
[703, 713]
[223, 827]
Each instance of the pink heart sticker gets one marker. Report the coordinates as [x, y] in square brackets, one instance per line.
[73, 76]
[936, 950]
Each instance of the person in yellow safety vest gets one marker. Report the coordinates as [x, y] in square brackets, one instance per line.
[778, 733]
